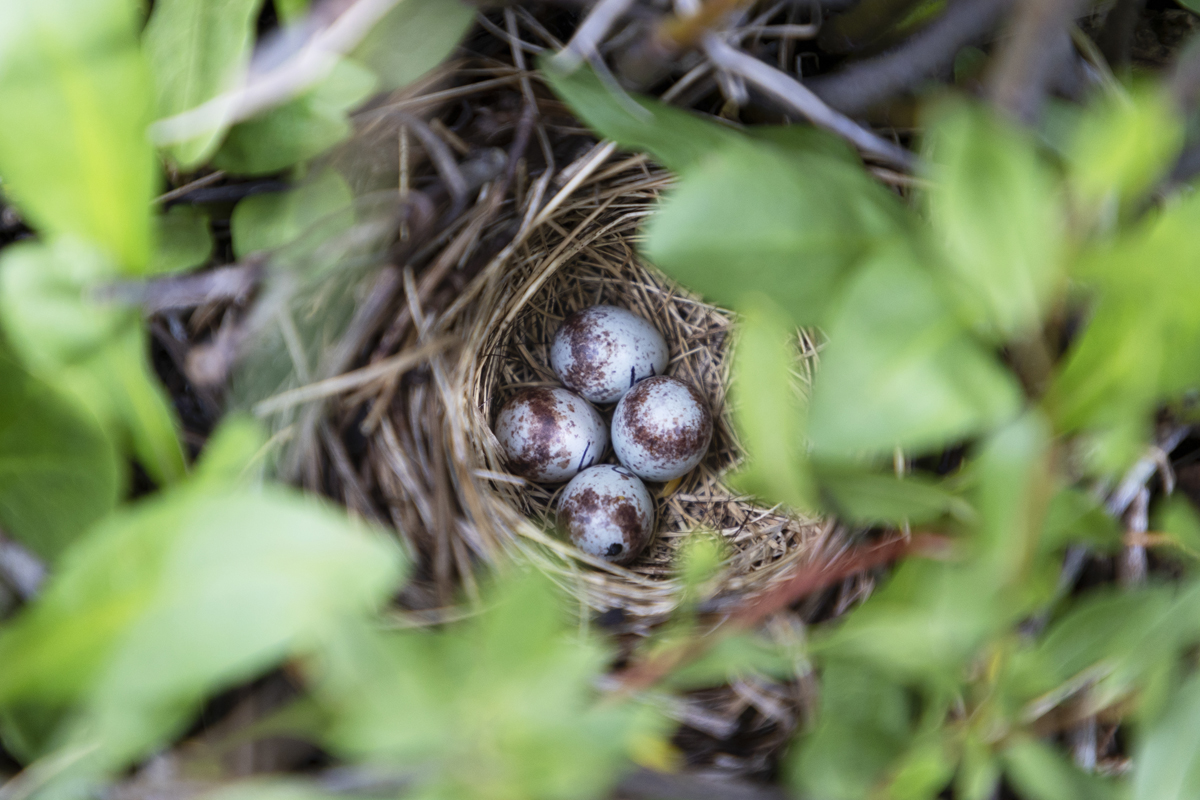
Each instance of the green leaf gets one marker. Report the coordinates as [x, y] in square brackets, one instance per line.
[676, 138]
[923, 626]
[96, 352]
[1040, 772]
[273, 789]
[184, 241]
[1012, 492]
[413, 38]
[782, 212]
[300, 129]
[994, 208]
[267, 222]
[73, 147]
[1077, 517]
[870, 498]
[768, 407]
[1177, 517]
[750, 218]
[1125, 637]
[1142, 342]
[900, 371]
[925, 770]
[1124, 144]
[198, 49]
[863, 727]
[197, 589]
[1166, 765]
[736, 657]
[291, 11]
[502, 705]
[58, 471]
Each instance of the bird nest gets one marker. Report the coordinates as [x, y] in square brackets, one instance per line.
[581, 253]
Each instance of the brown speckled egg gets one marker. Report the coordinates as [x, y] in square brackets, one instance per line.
[602, 351]
[661, 429]
[549, 435]
[606, 512]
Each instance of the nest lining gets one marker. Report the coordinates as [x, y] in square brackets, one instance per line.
[583, 255]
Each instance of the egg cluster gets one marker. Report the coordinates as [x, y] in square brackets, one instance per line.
[661, 428]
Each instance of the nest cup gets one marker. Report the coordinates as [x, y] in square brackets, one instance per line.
[586, 256]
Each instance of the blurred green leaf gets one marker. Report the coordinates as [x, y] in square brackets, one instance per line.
[867, 497]
[768, 407]
[184, 241]
[279, 789]
[300, 129]
[1178, 518]
[923, 626]
[499, 706]
[291, 10]
[676, 138]
[267, 222]
[700, 559]
[784, 214]
[899, 370]
[95, 351]
[994, 208]
[413, 38]
[1039, 772]
[196, 589]
[1122, 145]
[862, 728]
[736, 657]
[58, 471]
[1012, 493]
[73, 147]
[1142, 340]
[197, 49]
[230, 451]
[925, 770]
[1166, 764]
[1077, 517]
[978, 770]
[749, 218]
[1124, 637]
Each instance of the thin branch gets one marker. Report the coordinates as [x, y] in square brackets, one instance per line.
[20, 570]
[1141, 472]
[1116, 37]
[865, 83]
[590, 33]
[788, 90]
[1027, 61]
[232, 282]
[287, 77]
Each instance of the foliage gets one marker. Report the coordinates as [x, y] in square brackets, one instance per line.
[941, 331]
[942, 318]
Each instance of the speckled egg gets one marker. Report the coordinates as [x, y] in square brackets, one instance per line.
[606, 512]
[602, 351]
[549, 435]
[661, 429]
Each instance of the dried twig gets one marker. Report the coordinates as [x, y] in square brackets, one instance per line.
[590, 33]
[865, 83]
[20, 570]
[788, 90]
[1116, 37]
[1040, 32]
[1141, 472]
[234, 282]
